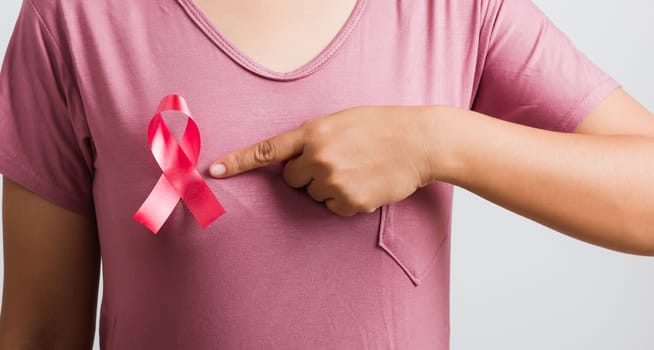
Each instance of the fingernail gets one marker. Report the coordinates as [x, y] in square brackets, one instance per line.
[217, 169]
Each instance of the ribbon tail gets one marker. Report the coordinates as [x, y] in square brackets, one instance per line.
[156, 209]
[201, 201]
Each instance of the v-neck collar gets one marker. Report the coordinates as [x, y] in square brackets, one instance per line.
[207, 26]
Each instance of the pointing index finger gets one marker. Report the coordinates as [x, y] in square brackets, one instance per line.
[274, 149]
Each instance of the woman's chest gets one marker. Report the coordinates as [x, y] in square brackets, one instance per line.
[126, 67]
[280, 35]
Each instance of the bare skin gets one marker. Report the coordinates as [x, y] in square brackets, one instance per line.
[279, 35]
[52, 266]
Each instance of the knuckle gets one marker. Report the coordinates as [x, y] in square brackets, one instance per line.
[331, 206]
[335, 184]
[343, 212]
[322, 159]
[311, 189]
[322, 129]
[337, 209]
[359, 203]
[236, 163]
[316, 197]
[264, 152]
[317, 129]
[329, 185]
[287, 176]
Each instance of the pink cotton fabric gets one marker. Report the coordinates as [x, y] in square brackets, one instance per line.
[81, 80]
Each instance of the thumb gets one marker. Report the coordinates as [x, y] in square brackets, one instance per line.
[268, 151]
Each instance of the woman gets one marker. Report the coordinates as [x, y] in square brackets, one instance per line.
[332, 134]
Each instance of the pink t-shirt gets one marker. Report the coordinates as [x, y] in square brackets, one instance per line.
[81, 80]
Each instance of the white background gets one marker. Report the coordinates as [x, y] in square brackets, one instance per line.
[517, 284]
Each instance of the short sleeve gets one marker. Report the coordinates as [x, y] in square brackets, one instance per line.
[532, 73]
[41, 147]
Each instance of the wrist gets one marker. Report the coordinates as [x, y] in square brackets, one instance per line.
[444, 142]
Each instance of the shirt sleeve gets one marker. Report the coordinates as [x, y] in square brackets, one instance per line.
[43, 146]
[532, 74]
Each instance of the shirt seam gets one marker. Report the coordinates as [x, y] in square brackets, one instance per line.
[310, 67]
[82, 205]
[75, 81]
[74, 201]
[567, 118]
[50, 34]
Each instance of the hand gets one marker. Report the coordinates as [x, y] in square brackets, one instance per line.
[355, 160]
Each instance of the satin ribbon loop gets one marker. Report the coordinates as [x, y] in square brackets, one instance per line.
[180, 179]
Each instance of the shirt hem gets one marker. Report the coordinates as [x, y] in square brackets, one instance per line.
[586, 104]
[26, 177]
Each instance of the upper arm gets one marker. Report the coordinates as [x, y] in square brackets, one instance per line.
[618, 113]
[51, 249]
[52, 262]
[531, 72]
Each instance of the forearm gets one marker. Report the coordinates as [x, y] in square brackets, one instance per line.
[594, 188]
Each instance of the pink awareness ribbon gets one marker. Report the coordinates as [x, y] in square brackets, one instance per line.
[180, 179]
